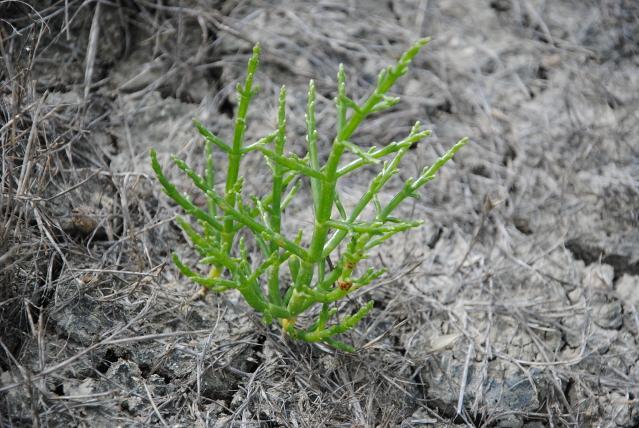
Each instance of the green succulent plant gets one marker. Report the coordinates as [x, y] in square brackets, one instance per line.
[314, 284]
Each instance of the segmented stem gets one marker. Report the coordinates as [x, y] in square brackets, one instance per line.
[244, 94]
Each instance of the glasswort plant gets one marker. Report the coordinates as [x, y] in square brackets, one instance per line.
[314, 281]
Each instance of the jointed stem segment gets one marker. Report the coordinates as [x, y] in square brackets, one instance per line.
[313, 281]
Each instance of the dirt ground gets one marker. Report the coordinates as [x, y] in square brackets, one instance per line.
[515, 305]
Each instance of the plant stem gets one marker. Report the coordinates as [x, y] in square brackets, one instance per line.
[276, 199]
[234, 156]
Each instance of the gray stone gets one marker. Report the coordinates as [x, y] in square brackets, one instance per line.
[503, 388]
[628, 289]
[609, 315]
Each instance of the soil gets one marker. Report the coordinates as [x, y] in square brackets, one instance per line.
[515, 305]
